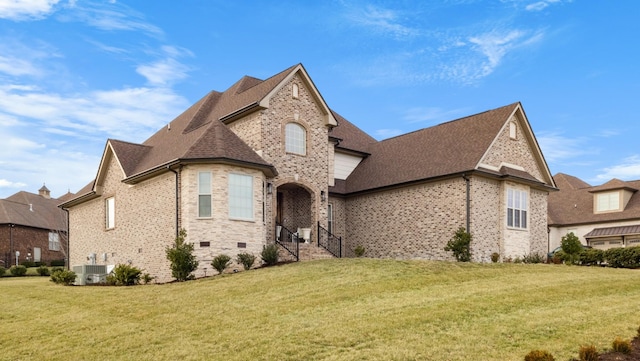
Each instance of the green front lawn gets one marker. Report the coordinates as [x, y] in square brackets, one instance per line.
[347, 309]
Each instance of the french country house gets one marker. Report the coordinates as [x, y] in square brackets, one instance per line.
[268, 161]
[32, 228]
[603, 217]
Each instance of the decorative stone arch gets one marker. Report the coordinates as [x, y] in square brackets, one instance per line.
[295, 204]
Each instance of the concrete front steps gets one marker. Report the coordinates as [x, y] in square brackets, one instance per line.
[308, 251]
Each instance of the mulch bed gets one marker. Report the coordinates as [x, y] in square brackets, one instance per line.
[616, 356]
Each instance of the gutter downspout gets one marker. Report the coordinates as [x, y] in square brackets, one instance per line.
[68, 240]
[467, 180]
[177, 200]
[11, 254]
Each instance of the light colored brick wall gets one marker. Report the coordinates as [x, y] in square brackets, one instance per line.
[339, 218]
[486, 217]
[409, 222]
[144, 224]
[249, 129]
[514, 151]
[223, 233]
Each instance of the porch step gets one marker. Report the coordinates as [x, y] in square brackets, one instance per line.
[308, 252]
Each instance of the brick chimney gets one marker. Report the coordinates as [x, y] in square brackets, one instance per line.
[44, 192]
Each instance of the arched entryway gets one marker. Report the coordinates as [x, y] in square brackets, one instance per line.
[294, 211]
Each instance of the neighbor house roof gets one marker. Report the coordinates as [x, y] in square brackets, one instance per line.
[32, 210]
[573, 204]
[613, 231]
[446, 149]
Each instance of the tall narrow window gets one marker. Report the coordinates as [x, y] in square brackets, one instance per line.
[110, 211]
[513, 130]
[54, 241]
[204, 194]
[330, 218]
[516, 209]
[295, 139]
[294, 91]
[240, 196]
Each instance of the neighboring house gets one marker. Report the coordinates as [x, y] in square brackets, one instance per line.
[33, 225]
[603, 217]
[268, 159]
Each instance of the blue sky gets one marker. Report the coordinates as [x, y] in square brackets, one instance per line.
[74, 73]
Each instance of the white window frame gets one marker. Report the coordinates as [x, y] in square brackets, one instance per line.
[241, 198]
[54, 241]
[330, 218]
[295, 138]
[608, 201]
[205, 195]
[513, 130]
[110, 212]
[517, 208]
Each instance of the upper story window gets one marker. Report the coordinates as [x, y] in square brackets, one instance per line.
[295, 139]
[54, 241]
[513, 130]
[517, 208]
[204, 194]
[608, 201]
[295, 91]
[240, 196]
[110, 212]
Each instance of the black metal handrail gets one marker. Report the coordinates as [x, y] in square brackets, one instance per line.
[288, 240]
[330, 242]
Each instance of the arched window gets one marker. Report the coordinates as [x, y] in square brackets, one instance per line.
[295, 139]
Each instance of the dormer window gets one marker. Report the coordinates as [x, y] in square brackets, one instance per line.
[295, 139]
[607, 201]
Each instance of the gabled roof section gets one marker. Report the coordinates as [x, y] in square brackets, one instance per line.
[445, 149]
[613, 184]
[349, 136]
[574, 205]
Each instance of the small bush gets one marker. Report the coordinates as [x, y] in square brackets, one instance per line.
[588, 353]
[623, 257]
[495, 257]
[18, 271]
[533, 258]
[591, 257]
[183, 261]
[125, 275]
[269, 254]
[622, 346]
[43, 271]
[359, 250]
[62, 276]
[147, 278]
[2, 271]
[460, 245]
[539, 355]
[572, 248]
[57, 263]
[246, 260]
[28, 264]
[221, 262]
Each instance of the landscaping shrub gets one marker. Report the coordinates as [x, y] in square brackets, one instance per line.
[147, 278]
[2, 271]
[246, 260]
[623, 257]
[57, 263]
[28, 264]
[18, 271]
[43, 271]
[622, 346]
[559, 257]
[183, 261]
[588, 353]
[539, 355]
[459, 245]
[533, 258]
[269, 254]
[125, 275]
[359, 250]
[221, 262]
[572, 247]
[591, 257]
[495, 257]
[63, 277]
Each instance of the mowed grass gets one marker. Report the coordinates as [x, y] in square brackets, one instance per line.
[343, 309]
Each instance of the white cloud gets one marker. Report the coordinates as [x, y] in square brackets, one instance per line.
[111, 16]
[20, 10]
[494, 46]
[9, 184]
[628, 169]
[558, 148]
[381, 20]
[163, 72]
[540, 5]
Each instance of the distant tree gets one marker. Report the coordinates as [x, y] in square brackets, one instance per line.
[571, 247]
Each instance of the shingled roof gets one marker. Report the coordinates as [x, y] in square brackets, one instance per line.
[32, 210]
[573, 204]
[449, 148]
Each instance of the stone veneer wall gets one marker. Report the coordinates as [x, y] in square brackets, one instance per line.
[144, 224]
[223, 234]
[514, 151]
[409, 222]
[339, 223]
[486, 218]
[538, 222]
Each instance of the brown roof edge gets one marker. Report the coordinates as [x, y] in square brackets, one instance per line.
[78, 200]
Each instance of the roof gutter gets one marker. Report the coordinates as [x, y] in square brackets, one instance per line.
[226, 119]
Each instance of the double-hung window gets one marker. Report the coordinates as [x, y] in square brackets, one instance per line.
[609, 201]
[295, 139]
[110, 212]
[204, 194]
[517, 208]
[54, 241]
[240, 196]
